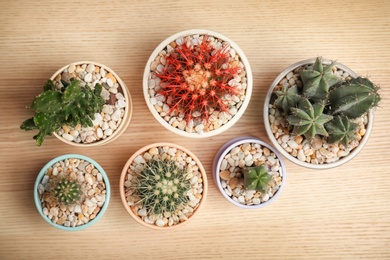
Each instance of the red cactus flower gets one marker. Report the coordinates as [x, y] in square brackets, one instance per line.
[195, 79]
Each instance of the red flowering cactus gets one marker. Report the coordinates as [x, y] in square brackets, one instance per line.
[195, 78]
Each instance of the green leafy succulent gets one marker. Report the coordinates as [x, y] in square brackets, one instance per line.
[53, 109]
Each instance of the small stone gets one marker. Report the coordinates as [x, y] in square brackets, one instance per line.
[256, 201]
[116, 115]
[108, 132]
[99, 133]
[292, 144]
[90, 68]
[234, 183]
[153, 151]
[139, 159]
[88, 77]
[71, 68]
[301, 155]
[110, 83]
[225, 175]
[68, 137]
[160, 222]
[142, 212]
[241, 199]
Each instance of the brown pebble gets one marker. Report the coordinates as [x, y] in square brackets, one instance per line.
[225, 175]
[298, 139]
[198, 196]
[112, 99]
[234, 182]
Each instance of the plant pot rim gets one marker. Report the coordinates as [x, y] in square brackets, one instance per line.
[293, 159]
[240, 111]
[43, 171]
[227, 147]
[128, 110]
[124, 173]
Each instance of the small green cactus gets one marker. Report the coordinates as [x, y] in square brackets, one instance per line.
[257, 178]
[354, 97]
[287, 98]
[162, 186]
[341, 130]
[53, 109]
[316, 82]
[67, 192]
[308, 119]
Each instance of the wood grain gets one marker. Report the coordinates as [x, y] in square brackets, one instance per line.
[341, 213]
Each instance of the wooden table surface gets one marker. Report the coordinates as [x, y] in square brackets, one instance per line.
[341, 213]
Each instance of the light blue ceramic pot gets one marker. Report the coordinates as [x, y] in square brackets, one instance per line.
[43, 172]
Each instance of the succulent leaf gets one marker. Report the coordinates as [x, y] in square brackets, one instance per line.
[257, 178]
[316, 82]
[308, 119]
[354, 97]
[287, 98]
[341, 130]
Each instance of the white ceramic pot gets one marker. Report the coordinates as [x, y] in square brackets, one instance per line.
[148, 74]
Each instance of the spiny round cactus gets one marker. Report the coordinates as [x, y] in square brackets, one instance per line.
[162, 186]
[257, 178]
[67, 191]
[196, 78]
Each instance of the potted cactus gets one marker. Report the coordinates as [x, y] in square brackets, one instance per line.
[72, 192]
[163, 186]
[319, 113]
[83, 104]
[248, 172]
[197, 83]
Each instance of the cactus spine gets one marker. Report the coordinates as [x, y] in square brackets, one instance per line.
[53, 109]
[257, 178]
[162, 186]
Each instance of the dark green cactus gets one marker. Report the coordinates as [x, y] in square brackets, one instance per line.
[287, 98]
[317, 81]
[53, 109]
[341, 130]
[353, 97]
[67, 192]
[308, 119]
[162, 186]
[257, 178]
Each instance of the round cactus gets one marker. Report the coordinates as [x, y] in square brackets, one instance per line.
[67, 191]
[257, 178]
[162, 186]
